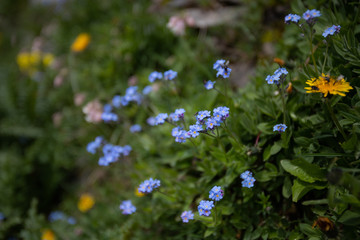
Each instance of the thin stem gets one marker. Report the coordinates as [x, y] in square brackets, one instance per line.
[215, 212]
[225, 83]
[183, 120]
[231, 134]
[335, 119]
[326, 54]
[171, 123]
[312, 51]
[165, 194]
[219, 91]
[209, 134]
[221, 143]
[283, 100]
[196, 148]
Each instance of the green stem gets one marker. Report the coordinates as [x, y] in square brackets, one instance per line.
[219, 91]
[232, 135]
[221, 143]
[165, 194]
[183, 120]
[312, 51]
[335, 119]
[209, 134]
[283, 101]
[196, 148]
[215, 212]
[326, 54]
[225, 83]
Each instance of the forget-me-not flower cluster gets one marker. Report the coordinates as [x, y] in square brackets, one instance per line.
[205, 207]
[311, 14]
[292, 18]
[333, 30]
[186, 216]
[127, 207]
[112, 153]
[151, 121]
[161, 118]
[149, 185]
[278, 76]
[131, 95]
[204, 122]
[216, 193]
[93, 146]
[280, 127]
[179, 134]
[177, 115]
[155, 75]
[168, 75]
[135, 128]
[147, 90]
[248, 179]
[209, 84]
[58, 215]
[222, 68]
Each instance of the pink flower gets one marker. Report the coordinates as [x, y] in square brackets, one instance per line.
[177, 25]
[93, 111]
[79, 99]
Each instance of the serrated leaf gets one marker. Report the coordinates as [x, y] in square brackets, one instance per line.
[303, 170]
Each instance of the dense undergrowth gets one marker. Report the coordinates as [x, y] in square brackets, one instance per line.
[68, 75]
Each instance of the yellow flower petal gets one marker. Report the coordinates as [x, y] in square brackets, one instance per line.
[86, 202]
[81, 42]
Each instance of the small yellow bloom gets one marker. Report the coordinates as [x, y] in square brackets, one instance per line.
[47, 234]
[30, 62]
[328, 85]
[81, 42]
[47, 59]
[138, 193]
[86, 202]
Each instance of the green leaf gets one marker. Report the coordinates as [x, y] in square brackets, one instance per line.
[351, 143]
[316, 202]
[309, 231]
[300, 188]
[303, 141]
[218, 154]
[286, 189]
[209, 232]
[350, 218]
[303, 170]
[271, 150]
[265, 127]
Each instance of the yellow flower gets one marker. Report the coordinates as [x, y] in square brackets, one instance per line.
[81, 42]
[29, 62]
[86, 202]
[138, 193]
[47, 59]
[47, 234]
[328, 85]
